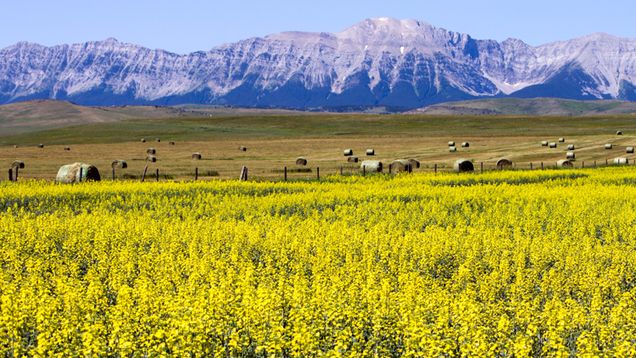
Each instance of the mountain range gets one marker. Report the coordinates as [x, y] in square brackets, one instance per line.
[383, 62]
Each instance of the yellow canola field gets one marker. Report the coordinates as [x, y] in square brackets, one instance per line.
[538, 263]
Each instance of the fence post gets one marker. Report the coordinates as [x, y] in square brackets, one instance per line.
[143, 176]
[285, 173]
[318, 173]
[113, 173]
[541, 165]
[16, 173]
[435, 168]
[196, 173]
[10, 174]
[606, 163]
[530, 166]
[243, 174]
[583, 164]
[595, 164]
[481, 164]
[364, 170]
[390, 168]
[157, 174]
[341, 170]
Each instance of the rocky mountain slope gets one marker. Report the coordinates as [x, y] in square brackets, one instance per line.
[397, 64]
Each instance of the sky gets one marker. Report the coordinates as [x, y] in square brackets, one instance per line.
[192, 25]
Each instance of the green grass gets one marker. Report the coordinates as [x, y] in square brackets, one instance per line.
[323, 125]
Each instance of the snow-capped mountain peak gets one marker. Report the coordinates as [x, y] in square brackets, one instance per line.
[400, 64]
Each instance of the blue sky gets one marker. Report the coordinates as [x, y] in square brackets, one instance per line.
[189, 25]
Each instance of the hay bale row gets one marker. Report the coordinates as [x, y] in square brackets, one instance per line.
[621, 161]
[504, 163]
[71, 173]
[463, 166]
[371, 166]
[401, 166]
[119, 163]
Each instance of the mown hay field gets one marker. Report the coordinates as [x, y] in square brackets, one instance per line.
[512, 263]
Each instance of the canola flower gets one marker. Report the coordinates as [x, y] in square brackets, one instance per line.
[504, 264]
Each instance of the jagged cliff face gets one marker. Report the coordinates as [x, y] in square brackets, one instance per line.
[401, 64]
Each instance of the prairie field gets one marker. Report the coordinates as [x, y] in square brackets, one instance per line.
[275, 140]
[508, 263]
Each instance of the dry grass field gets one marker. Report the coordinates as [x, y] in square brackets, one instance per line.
[275, 139]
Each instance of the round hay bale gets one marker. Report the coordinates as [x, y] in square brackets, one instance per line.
[451, 143]
[352, 159]
[463, 166]
[629, 150]
[143, 140]
[196, 156]
[151, 158]
[40, 145]
[571, 147]
[570, 155]
[608, 146]
[150, 151]
[414, 163]
[67, 148]
[465, 145]
[70, 173]
[564, 163]
[348, 152]
[561, 140]
[552, 145]
[243, 149]
[301, 161]
[119, 163]
[401, 166]
[504, 163]
[452, 149]
[619, 132]
[172, 143]
[17, 164]
[544, 143]
[158, 140]
[621, 161]
[370, 152]
[371, 166]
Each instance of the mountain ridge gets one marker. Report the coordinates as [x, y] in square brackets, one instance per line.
[383, 62]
